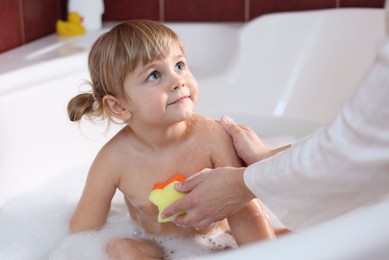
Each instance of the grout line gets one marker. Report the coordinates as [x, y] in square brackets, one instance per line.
[247, 10]
[161, 10]
[21, 19]
[60, 10]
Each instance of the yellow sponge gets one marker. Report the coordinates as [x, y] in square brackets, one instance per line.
[163, 194]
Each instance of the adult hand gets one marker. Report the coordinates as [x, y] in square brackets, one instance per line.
[248, 145]
[226, 193]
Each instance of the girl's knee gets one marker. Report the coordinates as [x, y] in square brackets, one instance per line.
[127, 248]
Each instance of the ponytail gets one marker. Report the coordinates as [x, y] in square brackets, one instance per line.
[80, 105]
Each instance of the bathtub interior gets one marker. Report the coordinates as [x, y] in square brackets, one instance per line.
[265, 73]
[288, 62]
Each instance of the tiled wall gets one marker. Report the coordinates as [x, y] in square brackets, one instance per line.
[22, 21]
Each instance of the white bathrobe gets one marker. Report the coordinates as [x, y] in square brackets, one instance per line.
[341, 166]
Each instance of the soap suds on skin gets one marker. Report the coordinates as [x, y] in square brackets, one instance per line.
[34, 225]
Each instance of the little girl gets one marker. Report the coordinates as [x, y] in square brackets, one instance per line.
[140, 76]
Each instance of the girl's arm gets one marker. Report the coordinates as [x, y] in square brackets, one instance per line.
[93, 207]
[249, 224]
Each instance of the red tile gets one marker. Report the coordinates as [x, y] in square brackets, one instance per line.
[362, 3]
[204, 10]
[260, 7]
[121, 10]
[10, 29]
[40, 17]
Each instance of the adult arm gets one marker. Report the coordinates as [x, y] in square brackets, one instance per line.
[342, 166]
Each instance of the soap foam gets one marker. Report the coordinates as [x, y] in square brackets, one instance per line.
[34, 225]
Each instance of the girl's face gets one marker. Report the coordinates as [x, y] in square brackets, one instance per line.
[163, 91]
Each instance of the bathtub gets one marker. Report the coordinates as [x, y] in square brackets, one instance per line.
[283, 74]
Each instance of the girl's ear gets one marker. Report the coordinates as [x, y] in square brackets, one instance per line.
[115, 109]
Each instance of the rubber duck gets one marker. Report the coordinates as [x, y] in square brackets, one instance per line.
[164, 194]
[72, 26]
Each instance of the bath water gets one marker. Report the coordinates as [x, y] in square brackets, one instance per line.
[34, 225]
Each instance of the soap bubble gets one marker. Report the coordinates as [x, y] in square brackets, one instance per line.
[34, 225]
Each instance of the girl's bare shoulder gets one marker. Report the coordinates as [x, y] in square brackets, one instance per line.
[219, 142]
[210, 126]
[114, 145]
[114, 153]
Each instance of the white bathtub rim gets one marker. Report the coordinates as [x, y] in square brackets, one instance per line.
[359, 235]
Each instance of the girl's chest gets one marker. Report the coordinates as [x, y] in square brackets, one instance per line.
[141, 173]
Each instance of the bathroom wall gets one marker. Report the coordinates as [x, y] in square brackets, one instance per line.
[22, 21]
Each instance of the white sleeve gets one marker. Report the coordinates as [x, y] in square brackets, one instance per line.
[340, 167]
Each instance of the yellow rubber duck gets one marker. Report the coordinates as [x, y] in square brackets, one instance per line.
[72, 26]
[163, 194]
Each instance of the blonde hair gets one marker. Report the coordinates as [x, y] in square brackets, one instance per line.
[114, 55]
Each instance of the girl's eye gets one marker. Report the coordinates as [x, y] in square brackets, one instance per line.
[179, 66]
[154, 76]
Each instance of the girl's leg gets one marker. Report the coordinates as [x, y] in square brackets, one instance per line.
[127, 248]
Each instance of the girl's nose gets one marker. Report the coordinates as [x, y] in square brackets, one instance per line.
[177, 83]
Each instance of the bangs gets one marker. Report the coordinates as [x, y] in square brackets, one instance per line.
[144, 42]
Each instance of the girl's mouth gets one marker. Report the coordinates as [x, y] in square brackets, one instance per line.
[179, 100]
